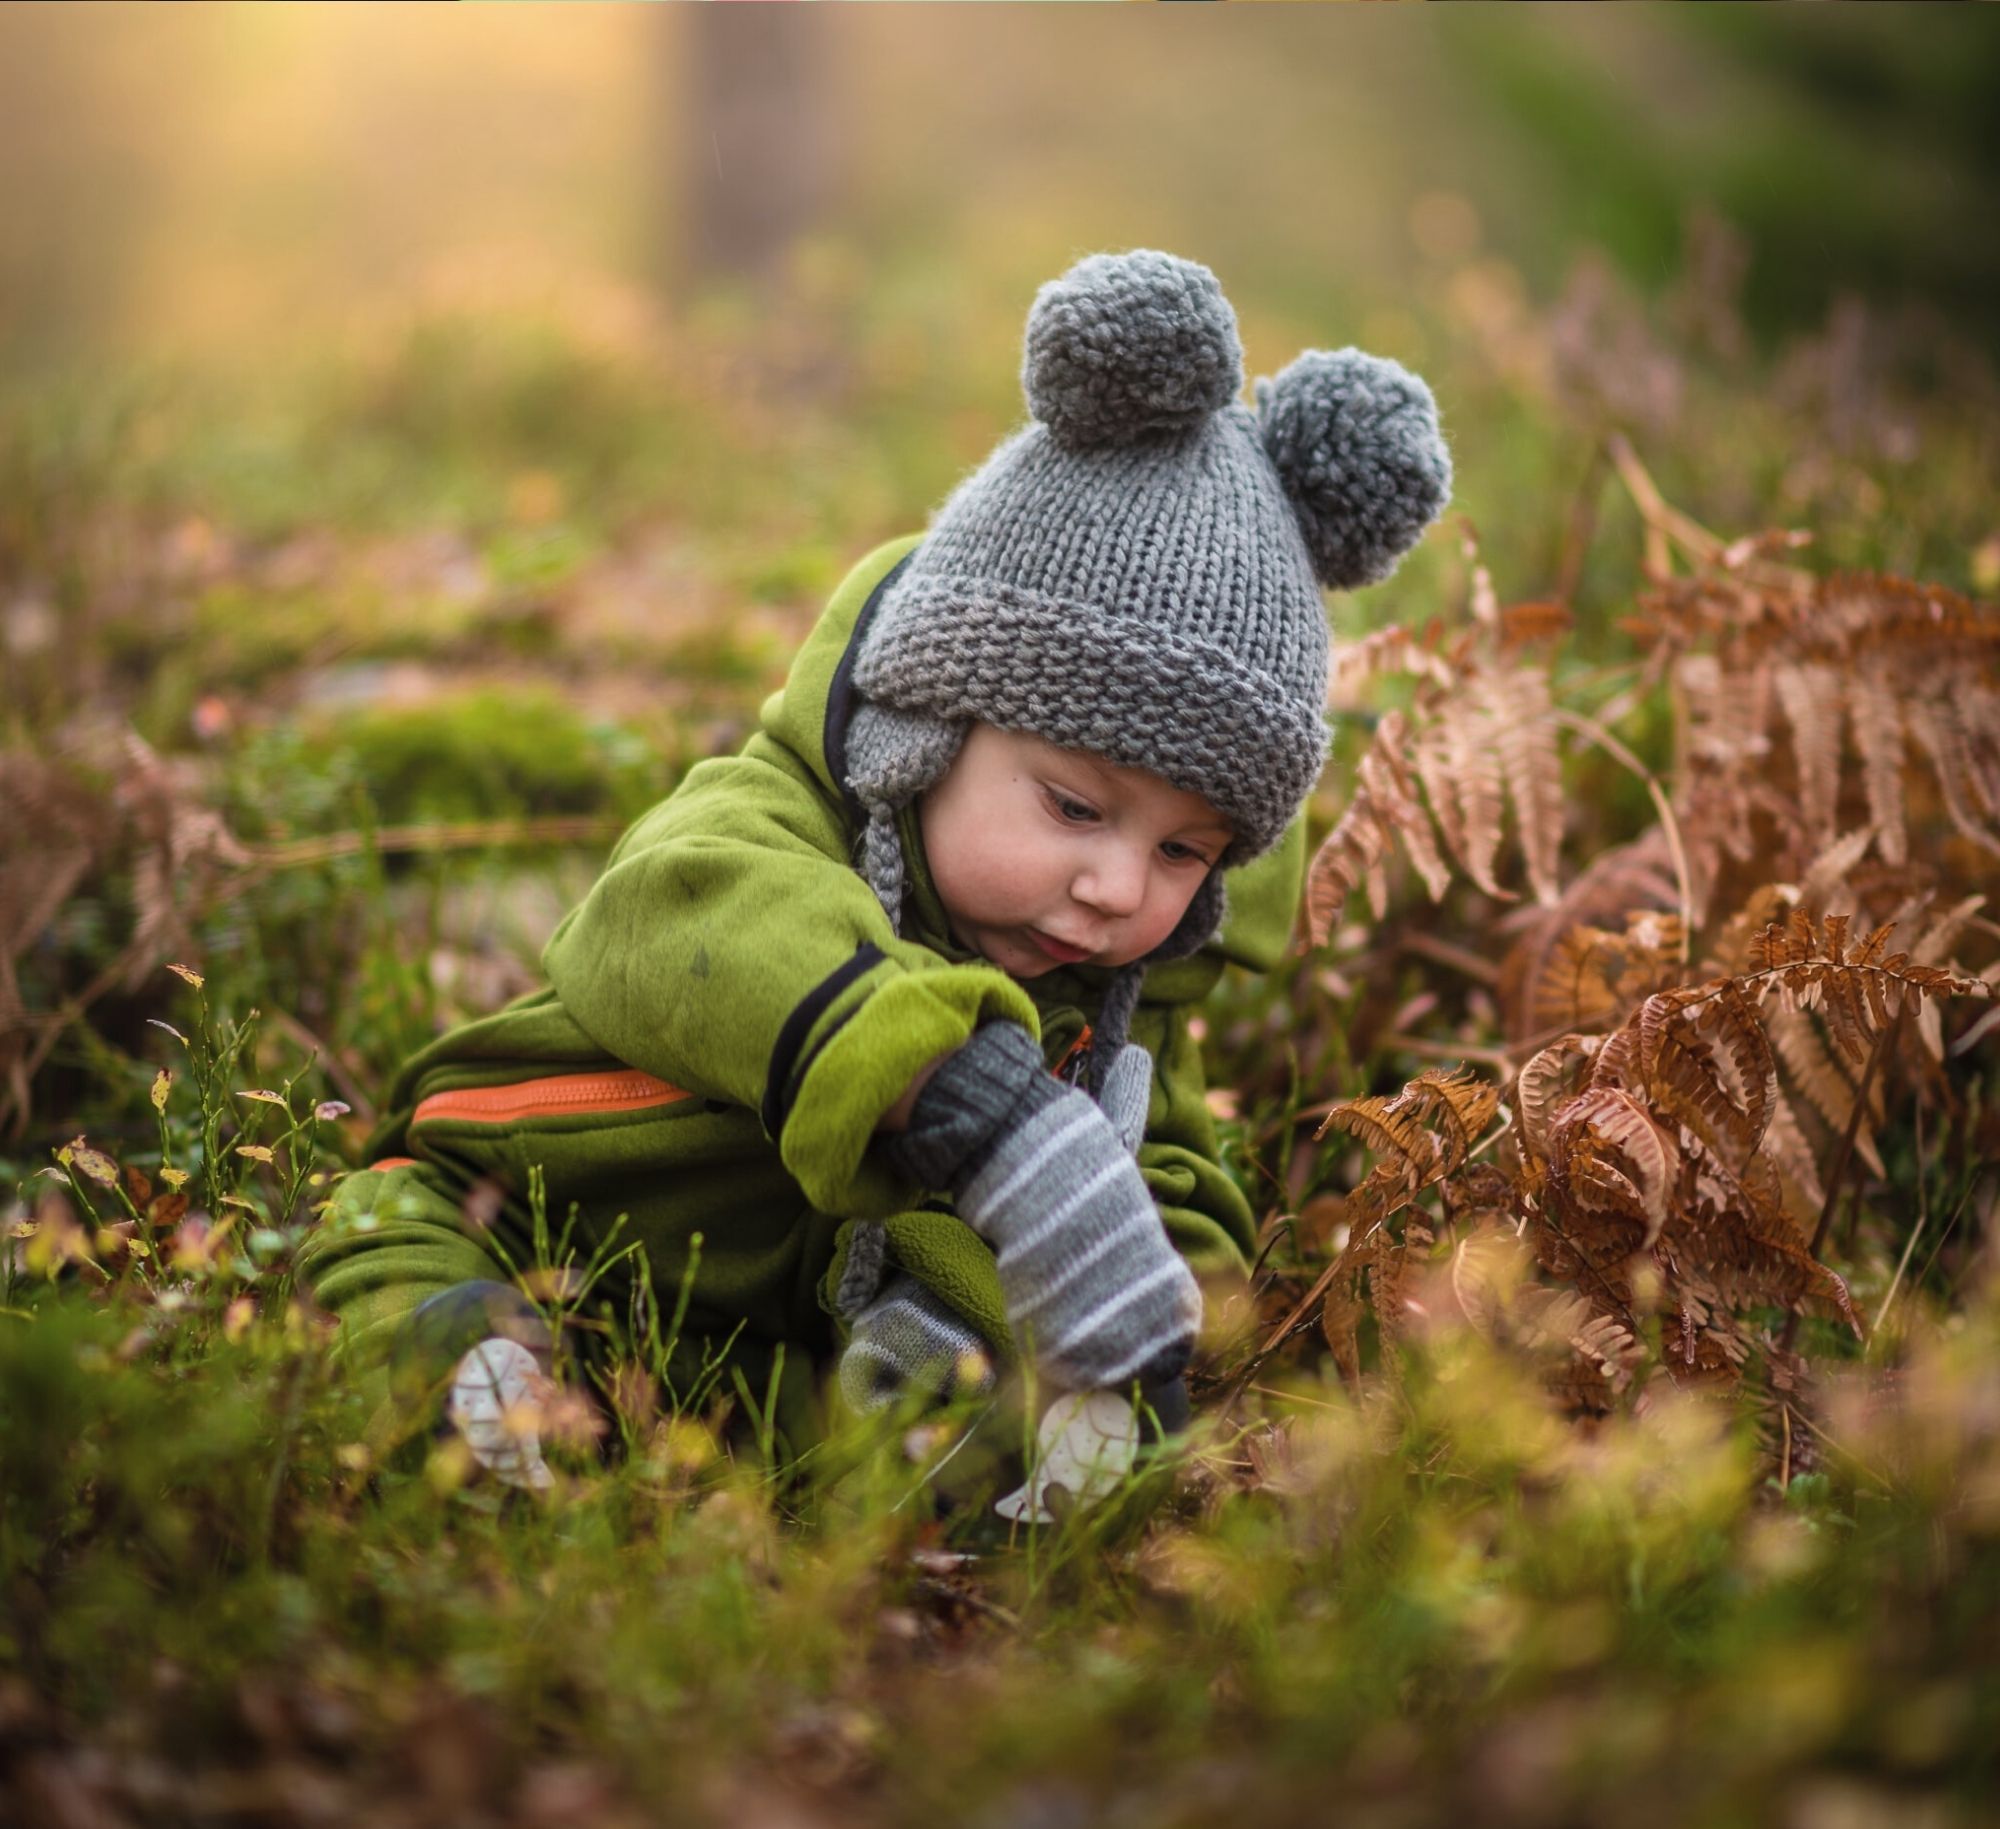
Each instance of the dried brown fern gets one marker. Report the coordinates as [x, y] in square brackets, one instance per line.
[1706, 1019]
[1807, 711]
[1648, 1169]
[1481, 735]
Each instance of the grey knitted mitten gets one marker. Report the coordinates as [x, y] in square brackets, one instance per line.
[909, 1337]
[1125, 1094]
[1090, 1281]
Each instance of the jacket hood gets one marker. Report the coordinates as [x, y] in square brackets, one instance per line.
[810, 714]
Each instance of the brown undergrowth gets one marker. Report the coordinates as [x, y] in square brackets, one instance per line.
[1703, 1026]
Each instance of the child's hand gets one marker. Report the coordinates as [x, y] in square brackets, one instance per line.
[910, 1336]
[1089, 1278]
[1126, 1094]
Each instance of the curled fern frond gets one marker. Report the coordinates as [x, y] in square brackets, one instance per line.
[1613, 1166]
[1427, 1129]
[1542, 1084]
[1591, 977]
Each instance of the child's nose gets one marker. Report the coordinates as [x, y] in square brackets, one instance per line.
[1114, 883]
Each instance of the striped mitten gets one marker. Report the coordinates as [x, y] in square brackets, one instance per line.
[1091, 1284]
[908, 1337]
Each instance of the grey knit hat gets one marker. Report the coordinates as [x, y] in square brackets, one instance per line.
[1137, 571]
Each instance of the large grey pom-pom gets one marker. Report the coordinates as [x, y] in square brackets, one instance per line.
[1355, 440]
[1125, 344]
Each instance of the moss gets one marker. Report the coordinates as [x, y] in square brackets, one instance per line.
[492, 753]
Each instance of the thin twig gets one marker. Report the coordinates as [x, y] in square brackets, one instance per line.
[1896, 1282]
[54, 1026]
[1916, 1231]
[471, 835]
[1663, 521]
[1461, 959]
[1944, 1237]
[1838, 1173]
[1449, 1051]
[1317, 1403]
[1652, 506]
[1841, 1448]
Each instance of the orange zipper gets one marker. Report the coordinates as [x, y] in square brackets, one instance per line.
[551, 1097]
[1071, 1052]
[560, 1093]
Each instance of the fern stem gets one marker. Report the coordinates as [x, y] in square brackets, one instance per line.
[1916, 1231]
[1665, 522]
[1670, 828]
[1837, 1175]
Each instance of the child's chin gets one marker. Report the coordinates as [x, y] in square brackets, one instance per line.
[1018, 958]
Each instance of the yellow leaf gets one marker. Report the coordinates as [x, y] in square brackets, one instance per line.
[92, 1162]
[174, 1178]
[265, 1097]
[257, 1152]
[162, 1081]
[193, 977]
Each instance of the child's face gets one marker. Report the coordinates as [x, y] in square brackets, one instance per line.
[1045, 856]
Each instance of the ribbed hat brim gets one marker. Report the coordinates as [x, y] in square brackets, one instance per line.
[1084, 678]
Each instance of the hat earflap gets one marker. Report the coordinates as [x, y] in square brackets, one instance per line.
[1355, 440]
[892, 756]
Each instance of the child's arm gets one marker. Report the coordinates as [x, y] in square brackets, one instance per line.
[897, 1117]
[732, 949]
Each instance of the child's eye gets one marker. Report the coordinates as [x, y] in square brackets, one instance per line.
[1075, 811]
[1178, 853]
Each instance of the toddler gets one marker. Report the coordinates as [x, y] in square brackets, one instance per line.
[892, 1007]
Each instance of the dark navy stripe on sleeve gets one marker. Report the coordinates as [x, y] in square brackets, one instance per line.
[777, 1105]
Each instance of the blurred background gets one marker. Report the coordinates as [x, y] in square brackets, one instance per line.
[430, 414]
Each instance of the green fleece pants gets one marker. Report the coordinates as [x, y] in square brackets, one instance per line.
[730, 1244]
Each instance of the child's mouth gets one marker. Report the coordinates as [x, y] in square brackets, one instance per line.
[1056, 950]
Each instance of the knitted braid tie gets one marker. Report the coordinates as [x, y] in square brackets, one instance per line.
[867, 1259]
[883, 854]
[1113, 1025]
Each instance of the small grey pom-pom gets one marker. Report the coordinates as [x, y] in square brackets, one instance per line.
[1126, 344]
[1355, 440]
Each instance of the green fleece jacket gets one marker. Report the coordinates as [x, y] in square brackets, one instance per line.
[728, 1016]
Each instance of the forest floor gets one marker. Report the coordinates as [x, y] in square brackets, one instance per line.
[332, 692]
